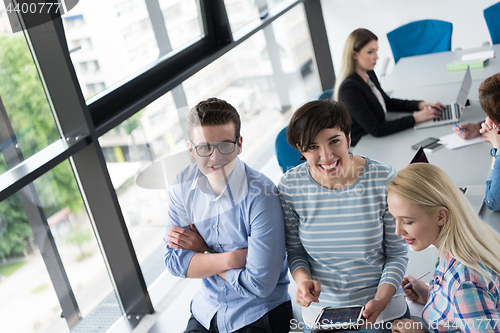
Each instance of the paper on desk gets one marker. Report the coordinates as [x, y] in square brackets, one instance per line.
[479, 56]
[416, 309]
[453, 141]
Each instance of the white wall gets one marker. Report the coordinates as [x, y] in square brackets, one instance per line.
[383, 16]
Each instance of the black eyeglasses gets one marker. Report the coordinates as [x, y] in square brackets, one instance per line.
[225, 148]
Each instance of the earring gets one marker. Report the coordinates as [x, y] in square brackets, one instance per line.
[350, 155]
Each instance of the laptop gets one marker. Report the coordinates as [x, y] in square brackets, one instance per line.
[473, 193]
[453, 112]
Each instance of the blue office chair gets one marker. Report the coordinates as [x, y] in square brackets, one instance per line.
[288, 156]
[420, 37]
[327, 94]
[492, 18]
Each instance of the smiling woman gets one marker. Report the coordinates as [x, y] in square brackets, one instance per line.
[419, 228]
[339, 234]
[464, 293]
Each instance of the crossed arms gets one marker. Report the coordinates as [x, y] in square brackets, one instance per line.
[253, 271]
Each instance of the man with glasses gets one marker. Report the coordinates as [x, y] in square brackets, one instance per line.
[226, 227]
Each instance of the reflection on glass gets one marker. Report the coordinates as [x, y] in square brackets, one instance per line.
[111, 40]
[240, 12]
[183, 21]
[144, 153]
[24, 280]
[3, 165]
[150, 135]
[296, 53]
[26, 111]
[77, 244]
[246, 78]
[272, 3]
[5, 26]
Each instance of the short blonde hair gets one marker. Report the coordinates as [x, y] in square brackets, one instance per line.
[464, 235]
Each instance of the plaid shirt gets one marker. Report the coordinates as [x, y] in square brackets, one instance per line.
[460, 300]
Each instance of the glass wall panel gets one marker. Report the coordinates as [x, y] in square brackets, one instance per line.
[130, 148]
[240, 12]
[298, 59]
[130, 41]
[144, 153]
[30, 304]
[26, 117]
[183, 21]
[272, 3]
[24, 281]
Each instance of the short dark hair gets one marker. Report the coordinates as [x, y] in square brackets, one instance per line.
[212, 112]
[489, 96]
[313, 117]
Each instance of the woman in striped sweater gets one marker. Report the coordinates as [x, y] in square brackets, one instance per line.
[341, 243]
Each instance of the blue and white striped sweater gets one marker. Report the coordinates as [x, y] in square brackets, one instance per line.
[345, 238]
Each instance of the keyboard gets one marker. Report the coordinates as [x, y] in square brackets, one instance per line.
[452, 111]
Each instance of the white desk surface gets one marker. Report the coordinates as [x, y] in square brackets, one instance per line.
[430, 69]
[466, 166]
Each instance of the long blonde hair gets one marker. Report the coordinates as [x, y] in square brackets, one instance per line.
[464, 235]
[355, 42]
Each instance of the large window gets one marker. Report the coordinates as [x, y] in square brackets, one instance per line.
[25, 105]
[124, 37]
[145, 152]
[240, 12]
[33, 258]
[93, 133]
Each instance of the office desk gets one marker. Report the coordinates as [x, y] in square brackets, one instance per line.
[430, 70]
[425, 77]
[466, 166]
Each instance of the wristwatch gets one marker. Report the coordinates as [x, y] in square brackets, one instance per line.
[494, 152]
[209, 251]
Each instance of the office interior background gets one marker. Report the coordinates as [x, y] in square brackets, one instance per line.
[92, 129]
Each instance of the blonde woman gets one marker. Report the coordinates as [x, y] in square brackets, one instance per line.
[463, 295]
[358, 87]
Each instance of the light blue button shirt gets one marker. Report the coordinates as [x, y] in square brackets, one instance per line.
[247, 214]
[492, 194]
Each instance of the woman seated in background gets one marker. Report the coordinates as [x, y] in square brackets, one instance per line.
[463, 295]
[340, 239]
[358, 87]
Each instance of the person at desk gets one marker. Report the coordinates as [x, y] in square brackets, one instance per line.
[464, 294]
[489, 98]
[358, 86]
[469, 130]
[225, 226]
[340, 239]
